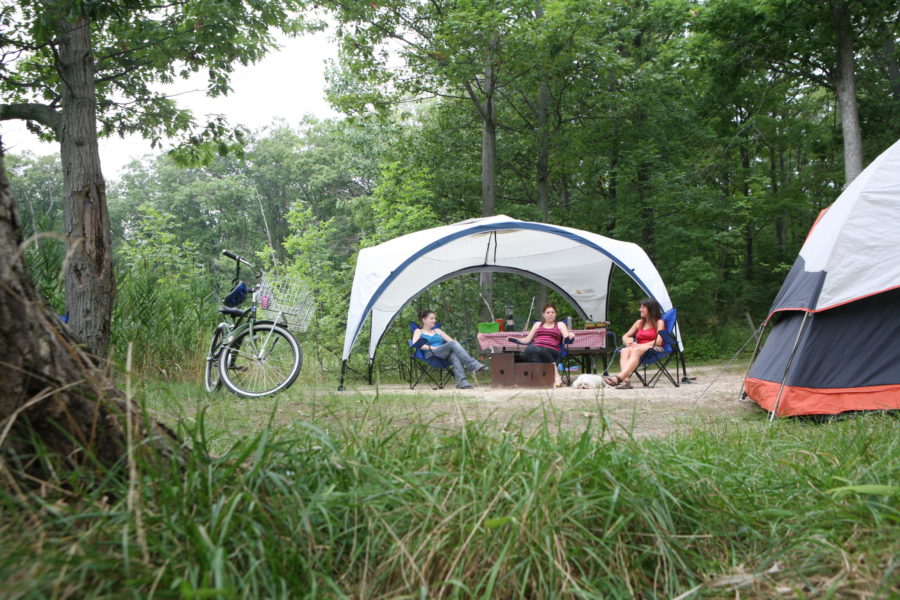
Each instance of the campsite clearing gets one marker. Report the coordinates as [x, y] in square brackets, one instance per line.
[639, 412]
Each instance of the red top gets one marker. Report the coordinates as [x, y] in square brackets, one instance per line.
[548, 337]
[645, 335]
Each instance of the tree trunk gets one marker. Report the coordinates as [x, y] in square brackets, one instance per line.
[845, 88]
[888, 52]
[748, 225]
[488, 158]
[775, 186]
[542, 164]
[51, 390]
[90, 287]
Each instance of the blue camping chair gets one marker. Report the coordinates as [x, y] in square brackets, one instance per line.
[421, 366]
[654, 364]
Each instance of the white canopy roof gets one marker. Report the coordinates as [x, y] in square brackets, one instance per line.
[852, 251]
[575, 263]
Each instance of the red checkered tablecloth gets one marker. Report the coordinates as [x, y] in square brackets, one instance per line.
[586, 339]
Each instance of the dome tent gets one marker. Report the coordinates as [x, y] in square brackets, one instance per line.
[834, 345]
[576, 264]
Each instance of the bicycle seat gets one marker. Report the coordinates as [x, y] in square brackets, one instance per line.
[234, 312]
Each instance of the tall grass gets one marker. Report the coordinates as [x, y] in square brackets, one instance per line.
[168, 320]
[373, 510]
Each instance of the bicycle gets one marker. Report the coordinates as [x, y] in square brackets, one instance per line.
[258, 357]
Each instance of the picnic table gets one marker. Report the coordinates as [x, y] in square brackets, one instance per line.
[588, 345]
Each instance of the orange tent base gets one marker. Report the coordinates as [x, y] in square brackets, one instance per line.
[797, 401]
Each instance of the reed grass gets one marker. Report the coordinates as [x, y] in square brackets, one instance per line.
[354, 505]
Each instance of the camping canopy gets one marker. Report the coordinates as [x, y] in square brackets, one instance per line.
[577, 264]
[836, 344]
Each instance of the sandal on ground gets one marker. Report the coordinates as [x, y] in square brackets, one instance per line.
[559, 384]
[612, 380]
[624, 386]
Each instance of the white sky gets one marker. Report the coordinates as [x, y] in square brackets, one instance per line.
[287, 84]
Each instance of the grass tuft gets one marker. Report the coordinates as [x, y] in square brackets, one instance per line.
[369, 508]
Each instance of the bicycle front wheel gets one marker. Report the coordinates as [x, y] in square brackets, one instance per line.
[211, 378]
[261, 360]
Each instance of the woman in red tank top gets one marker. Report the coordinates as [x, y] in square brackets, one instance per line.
[544, 340]
[641, 338]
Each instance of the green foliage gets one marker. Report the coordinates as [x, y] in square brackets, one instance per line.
[662, 123]
[138, 45]
[36, 184]
[358, 507]
[163, 306]
[401, 203]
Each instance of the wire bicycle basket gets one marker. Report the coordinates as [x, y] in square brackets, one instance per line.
[286, 300]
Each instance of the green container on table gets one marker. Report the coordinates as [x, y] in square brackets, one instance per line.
[492, 327]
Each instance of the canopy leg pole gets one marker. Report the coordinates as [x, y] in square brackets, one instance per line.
[371, 367]
[343, 371]
[787, 367]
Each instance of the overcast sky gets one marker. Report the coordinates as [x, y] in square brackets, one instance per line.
[288, 84]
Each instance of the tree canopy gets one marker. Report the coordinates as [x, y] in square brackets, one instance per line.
[660, 122]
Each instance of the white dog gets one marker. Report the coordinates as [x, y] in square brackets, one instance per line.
[586, 381]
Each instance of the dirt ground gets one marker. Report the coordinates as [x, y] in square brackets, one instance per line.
[712, 396]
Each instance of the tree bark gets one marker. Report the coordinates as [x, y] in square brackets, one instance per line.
[488, 154]
[845, 89]
[90, 287]
[488, 149]
[890, 63]
[51, 390]
[542, 164]
[748, 225]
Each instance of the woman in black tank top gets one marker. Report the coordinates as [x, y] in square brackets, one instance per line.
[544, 340]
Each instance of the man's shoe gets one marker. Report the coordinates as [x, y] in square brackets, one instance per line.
[464, 386]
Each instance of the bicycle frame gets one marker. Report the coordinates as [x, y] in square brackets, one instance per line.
[256, 339]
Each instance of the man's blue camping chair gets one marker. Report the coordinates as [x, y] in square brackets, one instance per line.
[659, 360]
[437, 370]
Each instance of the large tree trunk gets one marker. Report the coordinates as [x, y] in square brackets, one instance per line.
[90, 287]
[51, 390]
[488, 154]
[542, 164]
[541, 117]
[845, 88]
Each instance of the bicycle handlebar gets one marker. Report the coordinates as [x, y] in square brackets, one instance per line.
[236, 257]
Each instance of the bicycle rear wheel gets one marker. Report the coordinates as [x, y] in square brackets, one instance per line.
[211, 379]
[261, 360]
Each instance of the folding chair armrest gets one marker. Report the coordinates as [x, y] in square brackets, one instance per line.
[611, 336]
[418, 344]
[668, 338]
